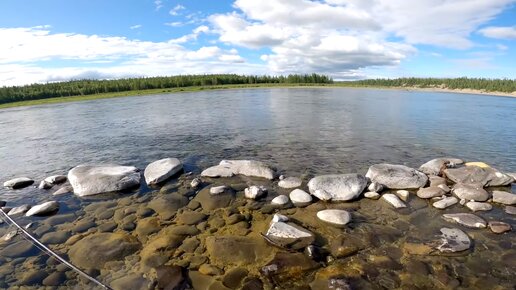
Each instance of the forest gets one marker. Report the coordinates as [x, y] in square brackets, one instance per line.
[91, 87]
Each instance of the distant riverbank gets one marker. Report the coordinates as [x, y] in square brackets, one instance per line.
[237, 86]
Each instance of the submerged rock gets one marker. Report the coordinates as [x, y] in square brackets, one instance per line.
[478, 175]
[255, 192]
[479, 206]
[510, 210]
[161, 170]
[18, 183]
[45, 185]
[169, 277]
[195, 183]
[393, 200]
[56, 179]
[338, 187]
[209, 201]
[470, 192]
[166, 205]
[236, 250]
[289, 235]
[503, 197]
[453, 240]
[19, 210]
[397, 176]
[466, 219]
[430, 192]
[498, 227]
[43, 209]
[286, 266]
[436, 166]
[290, 182]
[336, 217]
[95, 179]
[445, 202]
[300, 197]
[280, 200]
[64, 190]
[228, 168]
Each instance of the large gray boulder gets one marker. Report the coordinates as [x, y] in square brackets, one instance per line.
[161, 170]
[486, 176]
[18, 183]
[470, 192]
[337, 187]
[228, 168]
[95, 179]
[397, 176]
[436, 166]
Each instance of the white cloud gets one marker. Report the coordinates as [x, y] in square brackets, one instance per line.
[175, 24]
[176, 10]
[136, 26]
[502, 47]
[499, 32]
[158, 4]
[192, 36]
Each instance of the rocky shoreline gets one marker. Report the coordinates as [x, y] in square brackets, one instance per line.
[238, 225]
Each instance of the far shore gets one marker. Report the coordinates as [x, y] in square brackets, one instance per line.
[244, 86]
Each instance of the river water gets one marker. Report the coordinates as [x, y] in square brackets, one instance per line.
[300, 131]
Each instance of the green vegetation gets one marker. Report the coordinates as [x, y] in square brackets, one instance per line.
[488, 85]
[94, 87]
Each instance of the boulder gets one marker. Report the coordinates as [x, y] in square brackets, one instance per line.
[504, 197]
[436, 166]
[453, 240]
[280, 200]
[96, 179]
[161, 170]
[430, 192]
[479, 206]
[338, 187]
[466, 219]
[228, 168]
[18, 183]
[397, 176]
[445, 202]
[289, 235]
[470, 192]
[290, 182]
[255, 192]
[393, 200]
[337, 217]
[477, 175]
[300, 197]
[56, 179]
[46, 208]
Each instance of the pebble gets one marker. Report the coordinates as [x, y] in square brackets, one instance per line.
[279, 218]
[403, 194]
[195, 183]
[372, 195]
[45, 185]
[19, 182]
[336, 217]
[445, 202]
[430, 192]
[218, 189]
[280, 200]
[255, 192]
[290, 182]
[375, 187]
[300, 197]
[503, 197]
[479, 206]
[393, 200]
[498, 227]
[510, 210]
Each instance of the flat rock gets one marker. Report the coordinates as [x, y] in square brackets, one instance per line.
[236, 250]
[336, 217]
[403, 194]
[96, 179]
[228, 168]
[64, 190]
[56, 179]
[372, 195]
[430, 192]
[300, 197]
[255, 192]
[393, 200]
[289, 235]
[437, 180]
[45, 208]
[510, 210]
[453, 240]
[498, 227]
[18, 183]
[477, 175]
[290, 182]
[397, 176]
[479, 206]
[436, 166]
[445, 202]
[209, 201]
[277, 217]
[337, 187]
[470, 192]
[19, 210]
[375, 187]
[215, 190]
[161, 170]
[466, 219]
[280, 200]
[166, 205]
[504, 197]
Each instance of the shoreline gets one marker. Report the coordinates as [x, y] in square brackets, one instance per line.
[238, 86]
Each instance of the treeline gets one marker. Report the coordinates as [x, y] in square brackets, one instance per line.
[90, 87]
[488, 85]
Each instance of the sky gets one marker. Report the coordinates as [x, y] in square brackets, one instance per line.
[58, 40]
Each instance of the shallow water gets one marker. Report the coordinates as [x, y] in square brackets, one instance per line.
[301, 132]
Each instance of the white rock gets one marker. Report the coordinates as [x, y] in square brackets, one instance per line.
[19, 210]
[466, 219]
[286, 231]
[161, 170]
[454, 240]
[279, 218]
[255, 192]
[393, 200]
[44, 208]
[218, 189]
[64, 190]
[479, 206]
[463, 202]
[45, 185]
[444, 187]
[290, 182]
[228, 168]
[280, 200]
[195, 183]
[96, 179]
[403, 194]
[340, 187]
[19, 182]
[375, 187]
[56, 179]
[470, 192]
[300, 197]
[435, 166]
[372, 195]
[322, 194]
[336, 217]
[510, 210]
[503, 197]
[397, 176]
[445, 202]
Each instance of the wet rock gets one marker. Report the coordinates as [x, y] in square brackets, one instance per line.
[189, 245]
[216, 190]
[190, 218]
[19, 210]
[393, 200]
[479, 206]
[315, 253]
[107, 227]
[255, 192]
[95, 250]
[503, 197]
[300, 197]
[436, 166]
[33, 277]
[280, 200]
[55, 237]
[445, 188]
[372, 195]
[445, 202]
[285, 266]
[18, 249]
[146, 227]
[56, 179]
[210, 270]
[64, 190]
[430, 192]
[158, 250]
[183, 230]
[161, 170]
[169, 277]
[49, 207]
[397, 176]
[235, 218]
[54, 279]
[234, 277]
[403, 194]
[498, 227]
[196, 182]
[466, 219]
[470, 192]
[45, 185]
[338, 187]
[289, 235]
[167, 205]
[236, 250]
[453, 240]
[212, 202]
[478, 175]
[83, 225]
[337, 217]
[279, 218]
[345, 245]
[375, 187]
[130, 281]
[510, 210]
[436, 181]
[228, 168]
[290, 182]
[18, 183]
[96, 179]
[252, 283]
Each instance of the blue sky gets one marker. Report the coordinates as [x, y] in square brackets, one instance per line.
[55, 40]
